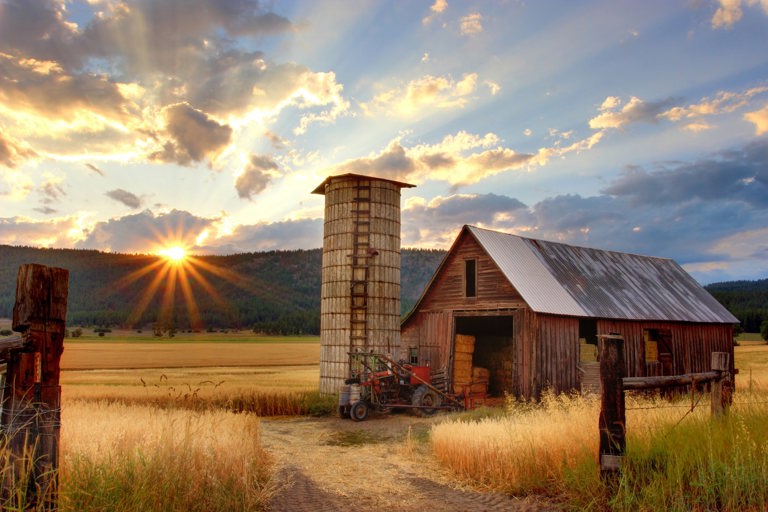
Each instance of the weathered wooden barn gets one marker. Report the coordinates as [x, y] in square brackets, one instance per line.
[534, 306]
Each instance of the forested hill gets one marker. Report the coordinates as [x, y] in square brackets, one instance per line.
[275, 292]
[747, 300]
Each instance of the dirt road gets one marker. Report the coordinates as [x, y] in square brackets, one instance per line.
[329, 464]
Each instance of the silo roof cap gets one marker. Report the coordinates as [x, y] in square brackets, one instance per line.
[321, 188]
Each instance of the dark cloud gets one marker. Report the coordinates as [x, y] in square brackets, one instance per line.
[95, 169]
[393, 163]
[449, 214]
[256, 176]
[276, 141]
[45, 210]
[438, 160]
[195, 136]
[52, 190]
[123, 196]
[734, 175]
[145, 231]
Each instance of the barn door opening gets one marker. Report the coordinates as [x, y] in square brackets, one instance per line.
[493, 348]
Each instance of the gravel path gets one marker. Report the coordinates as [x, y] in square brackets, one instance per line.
[329, 464]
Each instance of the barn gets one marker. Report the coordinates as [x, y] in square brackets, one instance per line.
[529, 313]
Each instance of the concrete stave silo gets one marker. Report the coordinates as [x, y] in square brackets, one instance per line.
[360, 296]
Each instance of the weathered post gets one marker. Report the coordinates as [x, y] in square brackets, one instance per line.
[31, 412]
[720, 387]
[612, 412]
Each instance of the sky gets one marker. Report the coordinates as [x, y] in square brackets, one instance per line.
[637, 126]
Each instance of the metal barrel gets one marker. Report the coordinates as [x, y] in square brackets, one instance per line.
[354, 393]
[344, 395]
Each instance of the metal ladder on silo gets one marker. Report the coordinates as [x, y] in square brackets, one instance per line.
[361, 245]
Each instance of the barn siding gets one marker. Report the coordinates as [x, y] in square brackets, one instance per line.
[692, 344]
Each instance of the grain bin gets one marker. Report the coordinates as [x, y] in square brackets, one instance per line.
[360, 296]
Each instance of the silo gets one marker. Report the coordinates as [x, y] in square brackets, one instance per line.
[360, 297]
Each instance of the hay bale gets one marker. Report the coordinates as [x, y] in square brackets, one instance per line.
[464, 343]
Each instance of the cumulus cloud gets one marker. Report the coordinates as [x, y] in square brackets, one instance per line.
[435, 9]
[760, 119]
[256, 176]
[56, 232]
[145, 231]
[427, 92]
[615, 114]
[458, 159]
[194, 136]
[727, 14]
[127, 198]
[12, 153]
[69, 92]
[471, 24]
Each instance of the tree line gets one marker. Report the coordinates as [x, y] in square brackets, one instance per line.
[273, 292]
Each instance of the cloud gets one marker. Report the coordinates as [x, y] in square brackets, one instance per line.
[459, 159]
[427, 92]
[738, 175]
[471, 24]
[69, 94]
[127, 198]
[613, 115]
[95, 169]
[760, 119]
[194, 136]
[145, 232]
[256, 176]
[727, 14]
[25, 231]
[435, 9]
[318, 90]
[281, 235]
[12, 153]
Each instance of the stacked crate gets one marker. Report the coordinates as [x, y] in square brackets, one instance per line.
[464, 347]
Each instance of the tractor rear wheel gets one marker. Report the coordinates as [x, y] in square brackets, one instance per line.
[359, 410]
[426, 401]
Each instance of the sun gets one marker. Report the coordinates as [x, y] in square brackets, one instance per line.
[175, 253]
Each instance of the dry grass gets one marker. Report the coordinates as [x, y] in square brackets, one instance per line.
[134, 458]
[274, 391]
[676, 459]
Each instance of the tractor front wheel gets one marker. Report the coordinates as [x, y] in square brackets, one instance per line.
[359, 410]
[426, 401]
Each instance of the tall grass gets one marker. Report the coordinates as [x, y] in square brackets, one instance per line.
[287, 391]
[133, 458]
[675, 460]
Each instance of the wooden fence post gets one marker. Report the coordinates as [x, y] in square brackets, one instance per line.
[31, 412]
[612, 411]
[720, 389]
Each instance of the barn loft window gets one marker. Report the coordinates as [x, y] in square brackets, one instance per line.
[470, 278]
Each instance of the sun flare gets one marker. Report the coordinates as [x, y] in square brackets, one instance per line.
[175, 253]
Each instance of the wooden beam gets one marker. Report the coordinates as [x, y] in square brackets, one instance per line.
[636, 383]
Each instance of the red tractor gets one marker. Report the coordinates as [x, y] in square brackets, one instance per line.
[381, 384]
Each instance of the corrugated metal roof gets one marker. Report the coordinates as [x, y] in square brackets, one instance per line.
[562, 279]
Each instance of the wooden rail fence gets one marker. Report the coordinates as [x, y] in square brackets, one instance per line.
[30, 393]
[612, 421]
